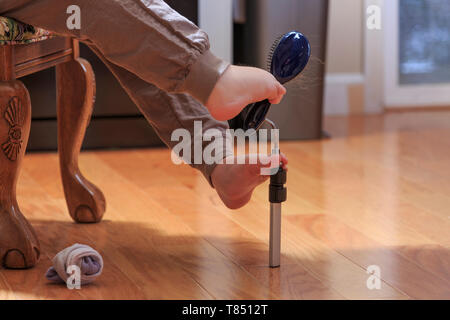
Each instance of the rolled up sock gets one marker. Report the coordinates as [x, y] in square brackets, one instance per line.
[87, 259]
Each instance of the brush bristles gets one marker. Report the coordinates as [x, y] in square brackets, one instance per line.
[272, 52]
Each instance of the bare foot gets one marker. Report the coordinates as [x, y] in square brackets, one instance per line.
[240, 86]
[235, 182]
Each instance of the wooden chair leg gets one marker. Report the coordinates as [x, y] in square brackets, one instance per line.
[19, 246]
[75, 100]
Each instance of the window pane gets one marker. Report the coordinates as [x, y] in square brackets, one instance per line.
[424, 41]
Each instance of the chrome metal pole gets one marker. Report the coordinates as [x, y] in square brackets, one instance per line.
[275, 235]
[277, 195]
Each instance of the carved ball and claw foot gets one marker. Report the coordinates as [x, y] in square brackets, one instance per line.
[86, 202]
[19, 246]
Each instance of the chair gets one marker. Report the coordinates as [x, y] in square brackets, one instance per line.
[25, 50]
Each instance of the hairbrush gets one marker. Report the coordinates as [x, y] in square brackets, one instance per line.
[288, 57]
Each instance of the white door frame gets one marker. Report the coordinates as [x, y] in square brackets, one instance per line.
[374, 62]
[396, 95]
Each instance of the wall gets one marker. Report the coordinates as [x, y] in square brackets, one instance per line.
[216, 18]
[345, 37]
[344, 93]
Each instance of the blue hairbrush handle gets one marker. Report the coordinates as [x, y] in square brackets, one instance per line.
[289, 58]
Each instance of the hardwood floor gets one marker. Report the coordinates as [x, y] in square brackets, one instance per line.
[377, 193]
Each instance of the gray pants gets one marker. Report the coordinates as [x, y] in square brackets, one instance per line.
[160, 58]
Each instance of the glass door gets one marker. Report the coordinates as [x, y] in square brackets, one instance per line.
[417, 53]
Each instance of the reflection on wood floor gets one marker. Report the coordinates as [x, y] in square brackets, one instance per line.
[377, 193]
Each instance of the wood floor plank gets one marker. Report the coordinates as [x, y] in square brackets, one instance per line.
[57, 231]
[187, 250]
[406, 220]
[254, 219]
[377, 193]
[6, 292]
[413, 280]
[130, 246]
[349, 189]
[205, 216]
[419, 156]
[419, 182]
[333, 269]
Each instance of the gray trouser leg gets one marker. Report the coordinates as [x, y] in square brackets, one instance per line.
[168, 112]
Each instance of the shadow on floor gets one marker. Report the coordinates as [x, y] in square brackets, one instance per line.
[144, 263]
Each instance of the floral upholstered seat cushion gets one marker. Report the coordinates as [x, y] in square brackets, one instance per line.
[16, 32]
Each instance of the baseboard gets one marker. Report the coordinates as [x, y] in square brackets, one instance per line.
[405, 109]
[344, 94]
